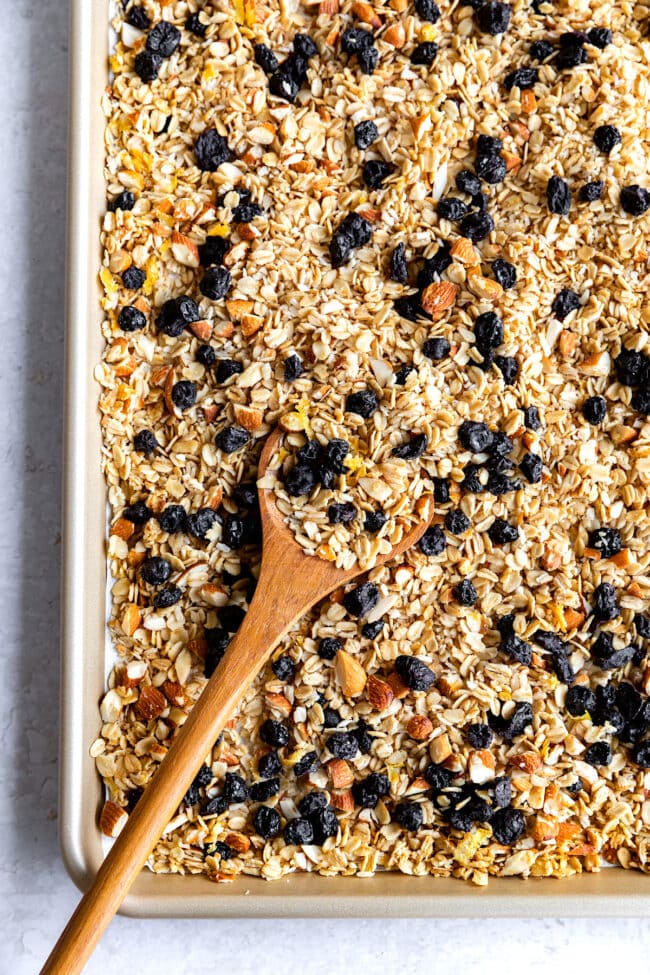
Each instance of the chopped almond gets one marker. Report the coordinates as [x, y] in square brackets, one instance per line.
[380, 693]
[131, 619]
[340, 773]
[343, 800]
[238, 842]
[237, 308]
[202, 330]
[123, 528]
[366, 14]
[438, 297]
[398, 686]
[350, 674]
[419, 727]
[440, 748]
[528, 101]
[395, 35]
[465, 252]
[112, 819]
[151, 703]
[251, 324]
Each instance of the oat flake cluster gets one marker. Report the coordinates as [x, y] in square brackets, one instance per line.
[445, 209]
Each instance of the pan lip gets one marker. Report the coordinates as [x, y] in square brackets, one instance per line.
[614, 893]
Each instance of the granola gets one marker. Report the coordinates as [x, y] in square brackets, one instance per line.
[444, 207]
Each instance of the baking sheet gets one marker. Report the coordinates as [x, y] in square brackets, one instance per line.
[612, 892]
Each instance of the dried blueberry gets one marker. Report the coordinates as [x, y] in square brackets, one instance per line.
[473, 436]
[635, 200]
[274, 733]
[155, 570]
[428, 10]
[398, 270]
[507, 825]
[632, 368]
[365, 133]
[502, 533]
[531, 467]
[206, 355]
[133, 278]
[492, 169]
[494, 18]
[184, 394]
[147, 65]
[211, 150]
[600, 753]
[231, 439]
[467, 182]
[341, 514]
[200, 522]
[374, 521]
[195, 25]
[433, 542]
[163, 39]
[298, 831]
[414, 673]
[508, 366]
[375, 172]
[138, 17]
[558, 196]
[541, 50]
[372, 630]
[438, 777]
[284, 667]
[606, 138]
[580, 700]
[591, 191]
[594, 410]
[477, 226]
[361, 600]
[216, 283]
[452, 208]
[267, 822]
[456, 521]
[517, 649]
[213, 250]
[479, 735]
[424, 53]
[172, 519]
[521, 78]
[605, 603]
[354, 231]
[413, 448]
[145, 442]
[370, 790]
[131, 319]
[465, 593]
[342, 744]
[600, 37]
[607, 541]
[409, 815]
[505, 273]
[364, 403]
[436, 348]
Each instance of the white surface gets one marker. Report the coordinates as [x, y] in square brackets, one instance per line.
[35, 894]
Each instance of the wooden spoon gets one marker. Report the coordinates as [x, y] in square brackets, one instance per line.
[290, 583]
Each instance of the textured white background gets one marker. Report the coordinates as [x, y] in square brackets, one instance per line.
[36, 896]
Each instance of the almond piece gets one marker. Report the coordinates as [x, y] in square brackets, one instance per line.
[573, 618]
[131, 619]
[622, 434]
[371, 215]
[133, 673]
[365, 13]
[512, 160]
[123, 528]
[112, 819]
[350, 674]
[420, 727]
[213, 594]
[278, 702]
[398, 5]
[440, 748]
[438, 297]
[395, 35]
[111, 707]
[251, 324]
[167, 392]
[343, 800]
[544, 828]
[380, 693]
[598, 364]
[528, 761]
[568, 342]
[482, 287]
[210, 413]
[465, 252]
[175, 693]
[202, 330]
[622, 559]
[237, 308]
[481, 766]
[215, 497]
[184, 250]
[239, 842]
[420, 125]
[151, 703]
[397, 685]
[567, 832]
[328, 7]
[528, 101]
[247, 231]
[247, 417]
[340, 773]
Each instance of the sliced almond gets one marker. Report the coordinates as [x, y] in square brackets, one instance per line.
[340, 773]
[598, 364]
[567, 342]
[251, 324]
[380, 693]
[465, 252]
[184, 250]
[202, 330]
[395, 35]
[528, 100]
[366, 14]
[247, 417]
[420, 125]
[438, 297]
[397, 685]
[481, 766]
[278, 702]
[343, 800]
[237, 308]
[111, 707]
[112, 819]
[175, 693]
[440, 748]
[151, 703]
[123, 528]
[420, 727]
[238, 842]
[131, 619]
[350, 674]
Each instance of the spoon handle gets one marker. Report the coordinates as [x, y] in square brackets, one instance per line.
[273, 610]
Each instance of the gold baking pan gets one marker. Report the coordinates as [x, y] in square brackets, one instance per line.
[611, 892]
